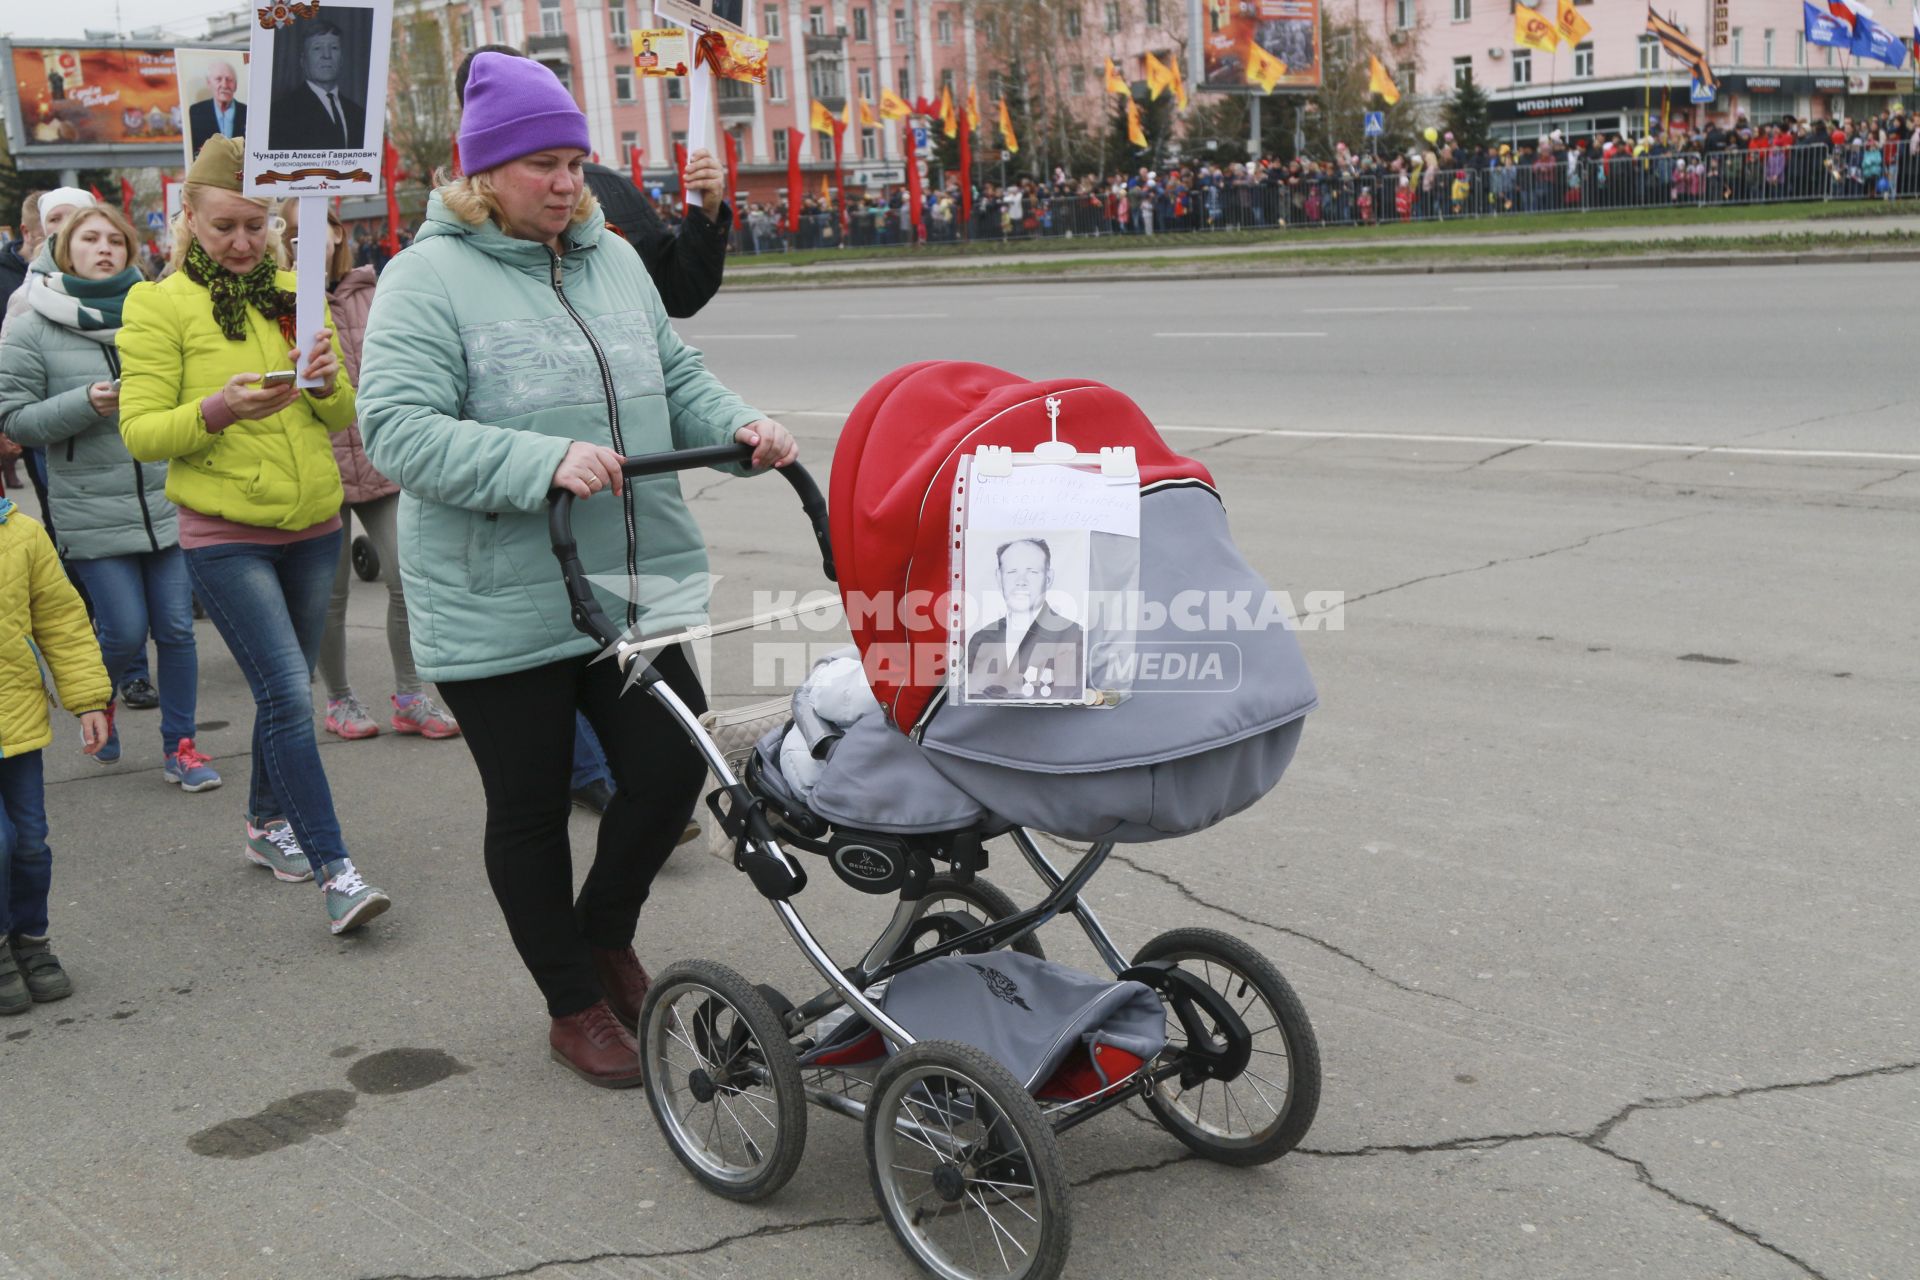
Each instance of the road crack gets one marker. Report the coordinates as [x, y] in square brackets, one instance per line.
[1244, 918]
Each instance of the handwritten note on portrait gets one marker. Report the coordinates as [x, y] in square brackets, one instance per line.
[1047, 496]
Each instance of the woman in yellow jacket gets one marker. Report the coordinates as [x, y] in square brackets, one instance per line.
[251, 469]
[39, 610]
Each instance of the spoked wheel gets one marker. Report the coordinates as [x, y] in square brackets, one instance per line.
[951, 909]
[1267, 1107]
[966, 1169]
[366, 560]
[722, 1080]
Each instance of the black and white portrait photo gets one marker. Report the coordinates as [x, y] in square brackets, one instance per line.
[1026, 598]
[320, 72]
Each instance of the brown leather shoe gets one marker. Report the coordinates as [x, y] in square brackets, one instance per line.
[624, 981]
[594, 1046]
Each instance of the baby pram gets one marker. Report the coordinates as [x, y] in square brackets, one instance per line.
[964, 1052]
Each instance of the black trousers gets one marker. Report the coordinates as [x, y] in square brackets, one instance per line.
[519, 728]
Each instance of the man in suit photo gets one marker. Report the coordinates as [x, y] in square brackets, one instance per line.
[317, 114]
[1033, 652]
[221, 113]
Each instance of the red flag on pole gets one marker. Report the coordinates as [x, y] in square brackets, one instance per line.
[639, 170]
[455, 162]
[795, 196]
[915, 199]
[733, 164]
[390, 178]
[95, 192]
[126, 198]
[680, 164]
[966, 172]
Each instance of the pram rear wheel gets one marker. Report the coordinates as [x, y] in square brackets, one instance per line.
[722, 1080]
[966, 1169]
[366, 560]
[951, 908]
[1266, 1108]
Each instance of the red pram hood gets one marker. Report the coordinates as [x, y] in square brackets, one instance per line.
[890, 503]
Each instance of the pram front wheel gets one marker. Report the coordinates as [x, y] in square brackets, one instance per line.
[965, 1167]
[366, 560]
[1264, 1108]
[951, 908]
[723, 1080]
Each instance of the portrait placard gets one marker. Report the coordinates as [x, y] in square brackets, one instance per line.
[317, 98]
[705, 15]
[213, 94]
[662, 52]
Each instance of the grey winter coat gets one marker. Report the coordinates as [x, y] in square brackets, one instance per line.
[104, 503]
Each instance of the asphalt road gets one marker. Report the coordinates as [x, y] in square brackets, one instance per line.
[1594, 870]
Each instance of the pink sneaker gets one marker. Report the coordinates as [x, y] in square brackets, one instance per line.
[420, 715]
[346, 718]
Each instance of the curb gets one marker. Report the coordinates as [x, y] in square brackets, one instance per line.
[751, 284]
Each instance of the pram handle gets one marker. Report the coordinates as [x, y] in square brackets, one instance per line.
[587, 614]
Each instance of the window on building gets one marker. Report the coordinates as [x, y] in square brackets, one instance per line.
[1583, 61]
[780, 146]
[1403, 77]
[623, 84]
[990, 28]
[499, 27]
[617, 18]
[1739, 35]
[1800, 48]
[466, 30]
[552, 22]
[676, 88]
[945, 25]
[1077, 79]
[823, 145]
[816, 21]
[1829, 55]
[1522, 61]
[565, 76]
[776, 83]
[1153, 13]
[678, 140]
[770, 22]
[1073, 24]
[860, 29]
[900, 27]
[628, 141]
[1113, 16]
[1403, 14]
[996, 85]
[1462, 71]
[824, 80]
[866, 83]
[903, 82]
[1766, 46]
[869, 144]
[1649, 53]
[1463, 10]
[946, 79]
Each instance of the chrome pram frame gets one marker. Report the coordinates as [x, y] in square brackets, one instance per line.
[1217, 1042]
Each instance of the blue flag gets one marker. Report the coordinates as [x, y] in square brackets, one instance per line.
[1871, 40]
[1824, 28]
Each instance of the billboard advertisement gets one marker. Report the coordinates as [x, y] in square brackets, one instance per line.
[1259, 46]
[81, 95]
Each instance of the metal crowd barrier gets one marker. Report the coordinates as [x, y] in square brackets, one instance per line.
[1568, 184]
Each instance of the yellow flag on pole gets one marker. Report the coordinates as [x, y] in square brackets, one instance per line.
[949, 121]
[893, 106]
[1263, 68]
[1531, 29]
[1136, 133]
[1378, 81]
[1159, 79]
[867, 118]
[973, 108]
[1178, 84]
[821, 120]
[1573, 27]
[1114, 83]
[1006, 128]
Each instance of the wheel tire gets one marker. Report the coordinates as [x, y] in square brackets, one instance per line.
[1194, 949]
[988, 901]
[971, 1075]
[366, 561]
[676, 1046]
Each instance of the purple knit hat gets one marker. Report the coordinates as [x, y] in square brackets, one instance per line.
[515, 107]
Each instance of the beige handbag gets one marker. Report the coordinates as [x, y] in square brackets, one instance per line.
[734, 732]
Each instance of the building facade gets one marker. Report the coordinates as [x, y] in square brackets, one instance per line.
[1619, 80]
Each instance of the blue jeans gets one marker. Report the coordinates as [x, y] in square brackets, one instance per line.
[589, 761]
[269, 604]
[132, 595]
[26, 864]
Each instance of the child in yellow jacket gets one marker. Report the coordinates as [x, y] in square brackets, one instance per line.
[39, 610]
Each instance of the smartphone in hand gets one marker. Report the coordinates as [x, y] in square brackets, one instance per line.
[278, 378]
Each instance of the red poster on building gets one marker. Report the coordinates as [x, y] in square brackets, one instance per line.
[1287, 30]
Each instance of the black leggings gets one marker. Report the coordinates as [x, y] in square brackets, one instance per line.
[519, 728]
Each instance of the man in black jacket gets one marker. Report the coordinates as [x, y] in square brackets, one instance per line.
[316, 115]
[222, 113]
[686, 265]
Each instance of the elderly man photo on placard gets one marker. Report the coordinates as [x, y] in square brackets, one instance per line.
[1033, 651]
[221, 113]
[316, 113]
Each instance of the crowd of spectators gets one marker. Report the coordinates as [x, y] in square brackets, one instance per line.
[1435, 179]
